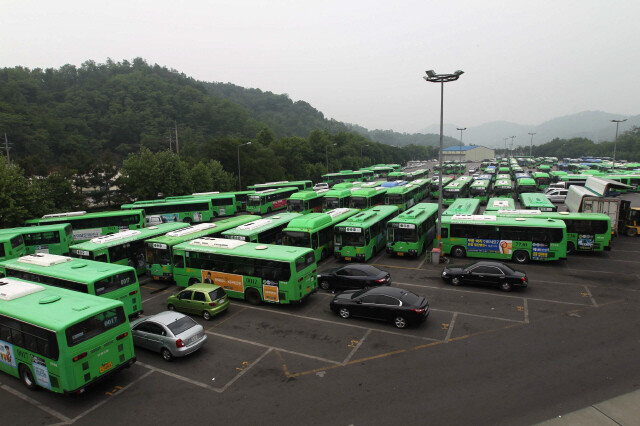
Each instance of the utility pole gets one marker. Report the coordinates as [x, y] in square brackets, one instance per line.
[531, 145]
[177, 145]
[170, 141]
[6, 148]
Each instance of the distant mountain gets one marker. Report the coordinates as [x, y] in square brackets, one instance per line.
[593, 125]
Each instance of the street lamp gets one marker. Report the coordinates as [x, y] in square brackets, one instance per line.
[239, 179]
[511, 153]
[361, 154]
[531, 146]
[505, 147]
[326, 154]
[461, 129]
[615, 144]
[441, 78]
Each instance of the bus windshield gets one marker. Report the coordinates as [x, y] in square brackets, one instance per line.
[114, 282]
[297, 239]
[403, 234]
[358, 202]
[394, 199]
[158, 256]
[94, 326]
[254, 201]
[355, 239]
[295, 206]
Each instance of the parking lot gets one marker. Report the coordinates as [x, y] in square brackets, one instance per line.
[482, 357]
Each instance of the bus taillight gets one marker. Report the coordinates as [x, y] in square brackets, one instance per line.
[122, 336]
[133, 292]
[79, 357]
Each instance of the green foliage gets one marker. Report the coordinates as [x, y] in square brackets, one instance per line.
[208, 176]
[13, 187]
[628, 147]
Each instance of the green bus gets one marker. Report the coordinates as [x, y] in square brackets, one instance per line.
[343, 176]
[633, 180]
[480, 189]
[11, 246]
[418, 174]
[536, 201]
[49, 342]
[412, 231]
[90, 225]
[222, 204]
[544, 168]
[519, 239]
[255, 272]
[434, 185]
[269, 200]
[241, 199]
[336, 199]
[404, 196]
[381, 171]
[392, 176]
[160, 249]
[111, 281]
[301, 185]
[585, 231]
[503, 188]
[123, 248]
[315, 231]
[503, 176]
[542, 180]
[306, 201]
[468, 206]
[54, 239]
[367, 175]
[188, 210]
[500, 203]
[363, 235]
[265, 231]
[459, 188]
[525, 185]
[366, 198]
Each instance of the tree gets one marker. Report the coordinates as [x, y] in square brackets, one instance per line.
[13, 194]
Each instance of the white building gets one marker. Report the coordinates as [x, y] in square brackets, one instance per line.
[467, 153]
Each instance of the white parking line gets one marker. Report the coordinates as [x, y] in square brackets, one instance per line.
[525, 305]
[240, 374]
[590, 296]
[348, 358]
[37, 404]
[176, 376]
[451, 324]
[153, 297]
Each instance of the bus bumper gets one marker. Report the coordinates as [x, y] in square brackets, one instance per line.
[98, 379]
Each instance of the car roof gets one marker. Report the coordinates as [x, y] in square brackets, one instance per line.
[165, 318]
[368, 268]
[488, 263]
[389, 291]
[202, 287]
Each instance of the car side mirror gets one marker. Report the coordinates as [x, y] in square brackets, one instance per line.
[359, 302]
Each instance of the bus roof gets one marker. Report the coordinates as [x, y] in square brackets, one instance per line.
[535, 199]
[500, 203]
[242, 248]
[129, 236]
[64, 217]
[258, 225]
[49, 307]
[201, 230]
[525, 181]
[308, 194]
[78, 270]
[480, 183]
[502, 220]
[551, 215]
[338, 193]
[462, 206]
[419, 212]
[26, 229]
[370, 216]
[316, 220]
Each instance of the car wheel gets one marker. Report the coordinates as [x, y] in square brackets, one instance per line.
[253, 297]
[631, 232]
[456, 281]
[344, 313]
[400, 322]
[324, 284]
[521, 256]
[206, 315]
[27, 377]
[171, 307]
[458, 251]
[505, 286]
[166, 354]
[570, 247]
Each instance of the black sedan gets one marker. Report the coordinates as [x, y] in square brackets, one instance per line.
[354, 276]
[401, 307]
[486, 273]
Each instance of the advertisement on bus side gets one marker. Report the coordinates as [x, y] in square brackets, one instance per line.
[489, 246]
[230, 282]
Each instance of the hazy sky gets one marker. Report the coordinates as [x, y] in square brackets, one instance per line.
[360, 61]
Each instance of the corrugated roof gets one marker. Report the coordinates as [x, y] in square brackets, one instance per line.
[460, 148]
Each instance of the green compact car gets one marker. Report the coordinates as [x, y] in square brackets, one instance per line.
[200, 299]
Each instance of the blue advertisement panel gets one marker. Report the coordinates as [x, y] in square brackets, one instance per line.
[540, 251]
[586, 242]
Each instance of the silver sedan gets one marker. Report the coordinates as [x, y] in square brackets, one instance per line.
[172, 334]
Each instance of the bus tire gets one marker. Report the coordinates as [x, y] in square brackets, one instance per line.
[631, 232]
[253, 296]
[187, 220]
[214, 215]
[193, 281]
[521, 257]
[570, 247]
[458, 251]
[27, 378]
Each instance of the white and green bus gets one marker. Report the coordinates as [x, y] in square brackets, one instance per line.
[336, 198]
[536, 201]
[363, 235]
[111, 281]
[159, 250]
[54, 239]
[364, 198]
[306, 201]
[480, 189]
[48, 342]
[269, 200]
[11, 246]
[586, 232]
[315, 231]
[301, 185]
[188, 209]
[255, 272]
[463, 206]
[412, 231]
[265, 231]
[90, 225]
[519, 239]
[459, 188]
[503, 188]
[222, 204]
[123, 248]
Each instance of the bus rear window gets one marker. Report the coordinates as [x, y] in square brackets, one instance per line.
[305, 261]
[95, 326]
[114, 282]
[17, 241]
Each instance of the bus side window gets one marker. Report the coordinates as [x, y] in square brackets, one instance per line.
[445, 233]
[314, 241]
[178, 261]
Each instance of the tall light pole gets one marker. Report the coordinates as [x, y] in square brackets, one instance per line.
[531, 146]
[505, 148]
[461, 129]
[615, 143]
[326, 154]
[239, 179]
[511, 153]
[441, 78]
[361, 154]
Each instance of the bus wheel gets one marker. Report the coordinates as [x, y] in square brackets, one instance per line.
[631, 232]
[521, 257]
[268, 210]
[458, 251]
[570, 247]
[252, 296]
[187, 220]
[27, 377]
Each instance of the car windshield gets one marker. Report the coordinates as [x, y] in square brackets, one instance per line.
[181, 325]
